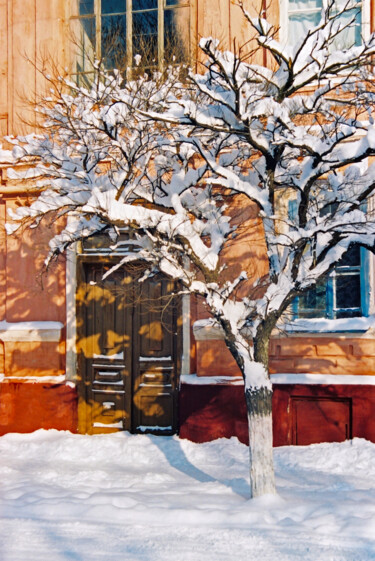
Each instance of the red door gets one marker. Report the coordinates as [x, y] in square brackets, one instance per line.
[320, 419]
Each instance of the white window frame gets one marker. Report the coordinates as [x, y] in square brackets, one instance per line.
[284, 19]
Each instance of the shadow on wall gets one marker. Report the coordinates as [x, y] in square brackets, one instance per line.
[33, 392]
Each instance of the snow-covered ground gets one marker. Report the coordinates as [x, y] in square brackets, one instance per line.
[67, 497]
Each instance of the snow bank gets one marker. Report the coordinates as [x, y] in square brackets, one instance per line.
[66, 497]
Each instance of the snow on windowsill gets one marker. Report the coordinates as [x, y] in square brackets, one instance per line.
[193, 379]
[47, 331]
[323, 379]
[206, 329]
[321, 325]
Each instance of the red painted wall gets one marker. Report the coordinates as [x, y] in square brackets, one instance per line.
[213, 411]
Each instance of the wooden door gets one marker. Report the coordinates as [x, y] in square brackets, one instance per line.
[320, 419]
[154, 367]
[128, 344]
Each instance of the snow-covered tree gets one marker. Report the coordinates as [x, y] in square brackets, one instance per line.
[166, 158]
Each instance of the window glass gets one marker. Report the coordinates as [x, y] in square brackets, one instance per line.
[348, 294]
[313, 304]
[304, 5]
[338, 295]
[305, 14]
[145, 5]
[352, 258]
[299, 24]
[175, 34]
[86, 7]
[113, 6]
[145, 36]
[351, 35]
[84, 33]
[113, 38]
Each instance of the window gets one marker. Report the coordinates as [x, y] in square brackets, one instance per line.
[342, 293]
[118, 30]
[339, 294]
[298, 16]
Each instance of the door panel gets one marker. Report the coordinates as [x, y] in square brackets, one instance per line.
[320, 420]
[128, 340]
[108, 327]
[155, 388]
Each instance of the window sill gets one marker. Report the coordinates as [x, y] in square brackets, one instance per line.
[319, 326]
[207, 330]
[23, 331]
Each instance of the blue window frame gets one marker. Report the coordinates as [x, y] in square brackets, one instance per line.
[339, 294]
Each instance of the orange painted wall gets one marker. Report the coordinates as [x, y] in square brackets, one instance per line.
[25, 407]
[29, 294]
[299, 355]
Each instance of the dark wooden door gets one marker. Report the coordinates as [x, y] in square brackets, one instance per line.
[128, 342]
[154, 366]
[320, 419]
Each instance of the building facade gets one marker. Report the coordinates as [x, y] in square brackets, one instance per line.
[87, 355]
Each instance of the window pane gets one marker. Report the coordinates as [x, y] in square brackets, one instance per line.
[314, 303]
[174, 2]
[83, 32]
[88, 33]
[145, 5]
[145, 36]
[85, 80]
[303, 5]
[352, 258]
[293, 210]
[113, 6]
[86, 7]
[114, 41]
[300, 24]
[352, 34]
[348, 291]
[176, 35]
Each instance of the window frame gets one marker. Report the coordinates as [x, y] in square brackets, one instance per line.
[284, 19]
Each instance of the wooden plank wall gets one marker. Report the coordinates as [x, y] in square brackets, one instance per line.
[30, 31]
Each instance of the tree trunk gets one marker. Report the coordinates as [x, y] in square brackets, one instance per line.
[259, 416]
[258, 395]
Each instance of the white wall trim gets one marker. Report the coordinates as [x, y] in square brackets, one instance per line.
[71, 320]
[185, 359]
[323, 379]
[291, 379]
[24, 331]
